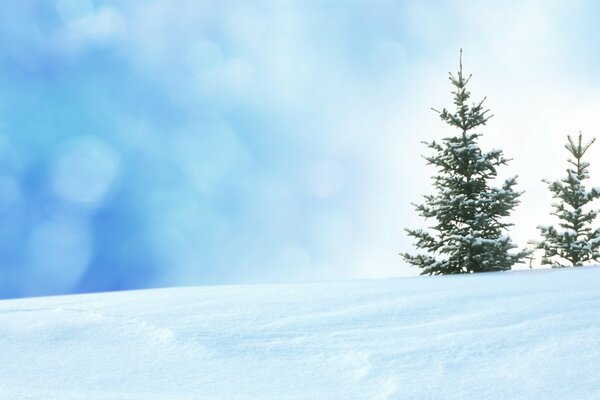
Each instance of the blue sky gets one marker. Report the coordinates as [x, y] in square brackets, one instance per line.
[161, 143]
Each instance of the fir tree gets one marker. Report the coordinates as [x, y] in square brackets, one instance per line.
[469, 234]
[574, 242]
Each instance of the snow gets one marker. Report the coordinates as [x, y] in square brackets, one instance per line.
[515, 335]
[569, 232]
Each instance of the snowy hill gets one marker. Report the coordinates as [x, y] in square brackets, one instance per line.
[516, 335]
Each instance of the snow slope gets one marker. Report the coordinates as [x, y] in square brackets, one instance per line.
[515, 335]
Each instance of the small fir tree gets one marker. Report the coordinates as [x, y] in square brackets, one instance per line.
[575, 242]
[469, 234]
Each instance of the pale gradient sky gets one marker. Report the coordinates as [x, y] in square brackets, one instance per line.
[160, 143]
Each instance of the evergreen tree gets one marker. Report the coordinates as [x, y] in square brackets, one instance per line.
[469, 234]
[574, 242]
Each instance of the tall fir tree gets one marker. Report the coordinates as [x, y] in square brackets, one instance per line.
[469, 234]
[575, 242]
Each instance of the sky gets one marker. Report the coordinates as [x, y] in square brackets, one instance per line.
[175, 143]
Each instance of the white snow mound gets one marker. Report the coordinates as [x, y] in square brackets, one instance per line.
[516, 335]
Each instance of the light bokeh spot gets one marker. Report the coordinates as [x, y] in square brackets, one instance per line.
[59, 251]
[85, 172]
[72, 10]
[207, 152]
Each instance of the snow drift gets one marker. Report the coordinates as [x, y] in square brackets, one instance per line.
[515, 335]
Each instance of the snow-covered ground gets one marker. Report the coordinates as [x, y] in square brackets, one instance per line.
[515, 335]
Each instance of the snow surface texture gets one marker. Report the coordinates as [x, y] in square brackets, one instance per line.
[512, 335]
